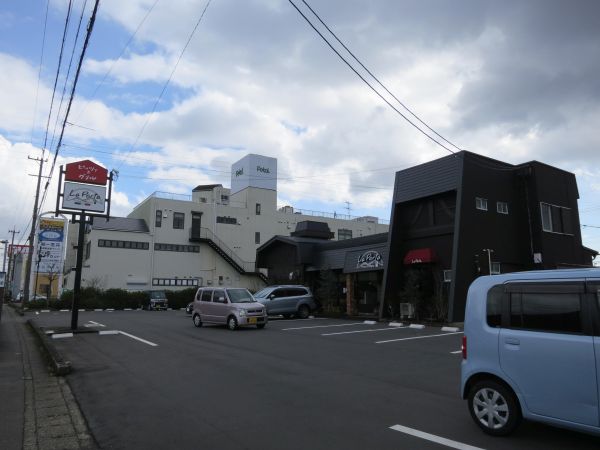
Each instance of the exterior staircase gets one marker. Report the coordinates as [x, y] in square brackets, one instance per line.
[208, 237]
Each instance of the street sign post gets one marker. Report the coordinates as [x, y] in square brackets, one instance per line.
[82, 186]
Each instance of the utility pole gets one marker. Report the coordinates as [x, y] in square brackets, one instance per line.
[32, 232]
[348, 207]
[12, 257]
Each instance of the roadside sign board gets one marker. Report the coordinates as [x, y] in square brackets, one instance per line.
[50, 245]
[86, 197]
[86, 171]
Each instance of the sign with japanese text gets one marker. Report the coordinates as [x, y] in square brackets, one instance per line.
[50, 245]
[85, 197]
[86, 172]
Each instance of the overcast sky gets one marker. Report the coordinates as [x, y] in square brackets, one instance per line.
[513, 80]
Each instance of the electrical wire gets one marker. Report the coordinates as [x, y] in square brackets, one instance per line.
[377, 79]
[109, 71]
[164, 88]
[64, 90]
[366, 82]
[90, 27]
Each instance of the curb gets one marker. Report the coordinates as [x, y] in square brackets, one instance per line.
[58, 364]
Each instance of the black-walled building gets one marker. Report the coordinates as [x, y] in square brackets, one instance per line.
[465, 215]
[352, 267]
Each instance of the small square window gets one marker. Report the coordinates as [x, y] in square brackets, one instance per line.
[257, 237]
[258, 209]
[495, 268]
[502, 207]
[481, 203]
[178, 220]
[447, 276]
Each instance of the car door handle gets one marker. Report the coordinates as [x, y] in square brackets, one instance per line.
[512, 341]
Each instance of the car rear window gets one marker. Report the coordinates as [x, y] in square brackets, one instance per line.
[494, 306]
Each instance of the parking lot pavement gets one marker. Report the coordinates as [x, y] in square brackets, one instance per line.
[296, 384]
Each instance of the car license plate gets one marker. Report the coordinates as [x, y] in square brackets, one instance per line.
[251, 319]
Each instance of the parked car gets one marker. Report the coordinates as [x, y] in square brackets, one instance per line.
[531, 349]
[156, 301]
[189, 308]
[288, 300]
[233, 307]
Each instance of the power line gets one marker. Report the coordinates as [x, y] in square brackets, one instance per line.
[366, 82]
[590, 226]
[64, 90]
[377, 79]
[115, 61]
[169, 79]
[62, 46]
[72, 95]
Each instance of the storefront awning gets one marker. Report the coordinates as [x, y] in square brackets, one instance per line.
[420, 256]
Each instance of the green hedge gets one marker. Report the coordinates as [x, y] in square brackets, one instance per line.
[92, 298]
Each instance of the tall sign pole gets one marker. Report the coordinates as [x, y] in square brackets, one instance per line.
[82, 187]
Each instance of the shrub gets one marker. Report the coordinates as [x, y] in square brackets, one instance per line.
[180, 299]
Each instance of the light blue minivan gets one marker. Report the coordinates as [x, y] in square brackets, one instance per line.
[531, 349]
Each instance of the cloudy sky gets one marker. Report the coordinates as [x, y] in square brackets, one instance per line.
[513, 80]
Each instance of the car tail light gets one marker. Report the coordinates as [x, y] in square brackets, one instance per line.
[463, 347]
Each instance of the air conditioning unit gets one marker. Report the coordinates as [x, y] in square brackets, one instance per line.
[165, 214]
[407, 310]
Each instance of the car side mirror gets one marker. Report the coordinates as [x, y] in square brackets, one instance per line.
[271, 297]
[222, 300]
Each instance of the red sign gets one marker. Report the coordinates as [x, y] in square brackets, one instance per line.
[86, 172]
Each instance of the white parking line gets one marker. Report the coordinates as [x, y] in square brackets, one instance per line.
[363, 331]
[324, 326]
[91, 323]
[138, 339]
[456, 352]
[418, 337]
[277, 318]
[62, 335]
[433, 438]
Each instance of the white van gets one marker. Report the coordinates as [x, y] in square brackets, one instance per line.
[531, 349]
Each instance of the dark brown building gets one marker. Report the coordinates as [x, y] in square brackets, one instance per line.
[465, 215]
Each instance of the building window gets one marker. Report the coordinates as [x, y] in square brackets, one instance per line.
[228, 220]
[88, 250]
[158, 219]
[447, 276]
[111, 243]
[258, 209]
[176, 248]
[556, 219]
[481, 203]
[178, 220]
[344, 233]
[502, 207]
[225, 199]
[495, 268]
[257, 237]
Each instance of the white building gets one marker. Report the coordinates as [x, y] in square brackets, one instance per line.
[210, 238]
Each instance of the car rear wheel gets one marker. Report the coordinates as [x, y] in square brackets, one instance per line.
[232, 323]
[197, 320]
[303, 312]
[494, 408]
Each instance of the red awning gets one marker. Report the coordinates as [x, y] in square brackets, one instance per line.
[419, 256]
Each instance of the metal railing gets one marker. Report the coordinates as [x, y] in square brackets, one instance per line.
[206, 234]
[298, 211]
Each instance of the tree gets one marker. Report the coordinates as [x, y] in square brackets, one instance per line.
[327, 290]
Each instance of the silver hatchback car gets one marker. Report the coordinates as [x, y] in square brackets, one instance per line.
[233, 307]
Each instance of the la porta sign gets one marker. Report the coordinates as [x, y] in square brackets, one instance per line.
[86, 171]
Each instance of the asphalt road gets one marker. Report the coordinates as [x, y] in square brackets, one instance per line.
[297, 384]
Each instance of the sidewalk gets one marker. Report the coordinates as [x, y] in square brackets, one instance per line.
[37, 410]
